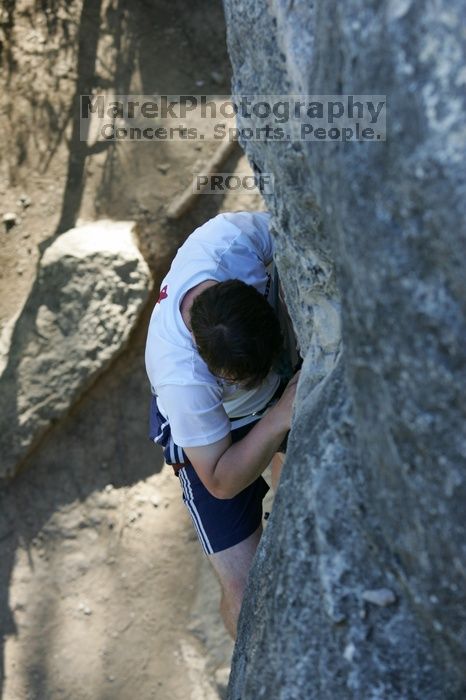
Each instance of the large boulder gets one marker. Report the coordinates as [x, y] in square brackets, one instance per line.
[91, 286]
[359, 587]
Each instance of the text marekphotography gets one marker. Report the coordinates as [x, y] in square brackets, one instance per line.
[107, 117]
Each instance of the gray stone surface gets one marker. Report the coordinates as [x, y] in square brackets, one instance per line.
[91, 286]
[374, 484]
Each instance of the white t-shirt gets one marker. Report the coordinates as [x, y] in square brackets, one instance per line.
[198, 405]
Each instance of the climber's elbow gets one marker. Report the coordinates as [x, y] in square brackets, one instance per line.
[208, 465]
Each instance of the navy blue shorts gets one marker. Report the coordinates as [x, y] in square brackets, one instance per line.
[220, 523]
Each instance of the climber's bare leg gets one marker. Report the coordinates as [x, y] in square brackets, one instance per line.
[232, 568]
[277, 464]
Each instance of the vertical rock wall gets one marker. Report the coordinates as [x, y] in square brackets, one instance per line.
[358, 590]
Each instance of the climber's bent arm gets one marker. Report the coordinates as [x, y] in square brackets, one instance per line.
[225, 469]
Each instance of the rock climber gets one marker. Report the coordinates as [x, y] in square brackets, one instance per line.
[219, 354]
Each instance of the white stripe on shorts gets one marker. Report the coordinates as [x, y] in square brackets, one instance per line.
[171, 445]
[179, 452]
[188, 492]
[162, 428]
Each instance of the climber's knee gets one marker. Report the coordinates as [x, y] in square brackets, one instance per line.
[232, 568]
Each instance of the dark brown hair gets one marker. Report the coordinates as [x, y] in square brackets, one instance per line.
[236, 331]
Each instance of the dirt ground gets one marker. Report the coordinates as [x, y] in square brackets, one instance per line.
[104, 591]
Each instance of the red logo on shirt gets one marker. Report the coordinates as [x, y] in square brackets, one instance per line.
[163, 294]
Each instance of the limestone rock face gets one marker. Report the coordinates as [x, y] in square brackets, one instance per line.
[373, 490]
[92, 284]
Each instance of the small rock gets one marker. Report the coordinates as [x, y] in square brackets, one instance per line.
[9, 219]
[379, 596]
[163, 167]
[24, 201]
[200, 83]
[222, 676]
[155, 501]
[108, 488]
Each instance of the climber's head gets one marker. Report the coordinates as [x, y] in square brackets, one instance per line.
[236, 332]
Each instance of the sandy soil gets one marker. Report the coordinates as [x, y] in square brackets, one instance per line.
[104, 591]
